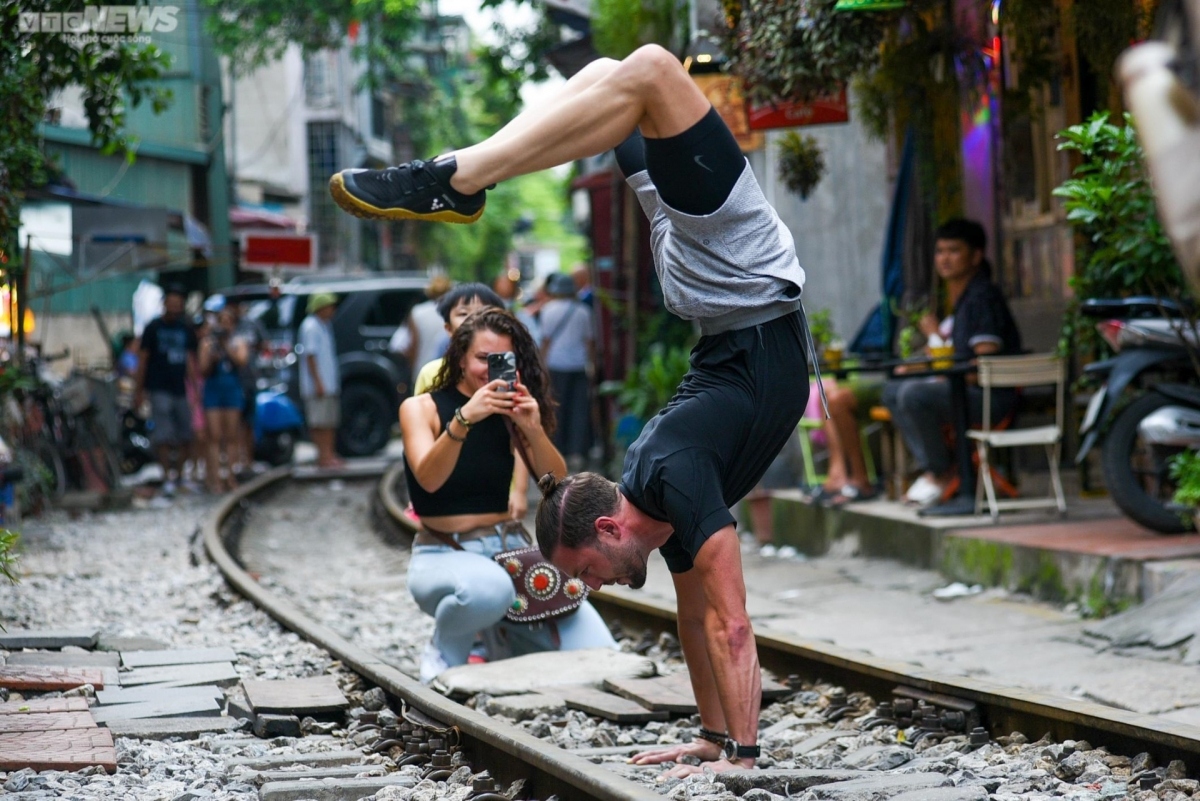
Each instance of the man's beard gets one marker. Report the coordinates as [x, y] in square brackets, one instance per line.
[633, 568]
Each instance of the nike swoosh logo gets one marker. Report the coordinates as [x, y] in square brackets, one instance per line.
[701, 163]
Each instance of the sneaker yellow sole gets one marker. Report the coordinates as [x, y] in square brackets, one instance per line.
[352, 205]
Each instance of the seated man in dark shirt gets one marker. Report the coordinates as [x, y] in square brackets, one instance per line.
[979, 325]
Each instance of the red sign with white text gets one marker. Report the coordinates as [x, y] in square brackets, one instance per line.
[823, 110]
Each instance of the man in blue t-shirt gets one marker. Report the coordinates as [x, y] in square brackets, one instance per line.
[168, 362]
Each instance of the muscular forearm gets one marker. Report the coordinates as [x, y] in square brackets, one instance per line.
[704, 686]
[734, 660]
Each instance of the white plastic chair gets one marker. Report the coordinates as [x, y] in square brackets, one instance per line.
[1019, 371]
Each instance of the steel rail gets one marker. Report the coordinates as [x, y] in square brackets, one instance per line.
[1003, 709]
[507, 752]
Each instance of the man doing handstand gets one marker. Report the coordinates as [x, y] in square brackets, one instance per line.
[724, 259]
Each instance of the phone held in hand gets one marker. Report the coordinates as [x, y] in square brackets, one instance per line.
[503, 366]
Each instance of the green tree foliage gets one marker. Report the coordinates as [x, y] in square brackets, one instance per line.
[34, 66]
[621, 26]
[8, 555]
[798, 51]
[1110, 202]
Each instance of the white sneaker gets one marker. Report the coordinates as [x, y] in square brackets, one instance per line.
[923, 492]
[432, 663]
[768, 551]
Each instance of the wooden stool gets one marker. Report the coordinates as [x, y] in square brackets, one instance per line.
[895, 458]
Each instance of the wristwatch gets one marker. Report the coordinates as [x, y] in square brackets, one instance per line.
[734, 750]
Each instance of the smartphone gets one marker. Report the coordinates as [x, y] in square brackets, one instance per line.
[503, 366]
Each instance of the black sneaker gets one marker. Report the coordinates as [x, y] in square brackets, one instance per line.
[418, 190]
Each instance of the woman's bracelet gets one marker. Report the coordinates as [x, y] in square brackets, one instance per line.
[462, 421]
[451, 435]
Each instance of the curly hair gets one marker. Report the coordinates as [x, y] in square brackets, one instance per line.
[529, 359]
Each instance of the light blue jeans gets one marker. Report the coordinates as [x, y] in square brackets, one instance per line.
[467, 593]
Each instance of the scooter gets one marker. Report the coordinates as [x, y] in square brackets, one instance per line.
[1140, 437]
[277, 426]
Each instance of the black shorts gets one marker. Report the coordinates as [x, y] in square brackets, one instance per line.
[732, 414]
[694, 171]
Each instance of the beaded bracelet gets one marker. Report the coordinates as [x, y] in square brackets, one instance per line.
[462, 421]
[718, 738]
[451, 435]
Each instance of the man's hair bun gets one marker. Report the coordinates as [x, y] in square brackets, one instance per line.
[547, 484]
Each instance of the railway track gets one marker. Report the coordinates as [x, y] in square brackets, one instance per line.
[929, 703]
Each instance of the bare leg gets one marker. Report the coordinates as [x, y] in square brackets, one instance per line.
[760, 518]
[649, 89]
[212, 472]
[841, 411]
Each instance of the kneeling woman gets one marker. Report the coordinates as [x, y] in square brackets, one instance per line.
[459, 461]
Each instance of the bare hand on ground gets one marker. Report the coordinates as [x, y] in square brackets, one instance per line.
[702, 750]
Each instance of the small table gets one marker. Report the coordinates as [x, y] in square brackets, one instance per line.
[963, 502]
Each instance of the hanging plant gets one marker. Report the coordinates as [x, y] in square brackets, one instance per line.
[801, 163]
[798, 50]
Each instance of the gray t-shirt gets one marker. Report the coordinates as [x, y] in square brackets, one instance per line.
[316, 338]
[570, 323]
[731, 269]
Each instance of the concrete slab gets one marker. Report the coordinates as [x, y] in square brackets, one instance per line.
[609, 706]
[617, 750]
[155, 692]
[787, 783]
[1157, 576]
[331, 789]
[879, 786]
[15, 639]
[268, 726]
[525, 706]
[64, 659]
[544, 672]
[277, 761]
[331, 772]
[70, 749]
[319, 695]
[944, 794]
[221, 674]
[189, 656]
[187, 706]
[164, 728]
[108, 642]
[821, 738]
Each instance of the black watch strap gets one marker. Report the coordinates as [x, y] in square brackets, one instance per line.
[735, 750]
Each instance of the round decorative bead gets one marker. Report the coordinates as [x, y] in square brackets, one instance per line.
[573, 589]
[542, 581]
[513, 566]
[520, 604]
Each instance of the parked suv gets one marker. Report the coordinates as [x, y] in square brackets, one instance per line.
[370, 310]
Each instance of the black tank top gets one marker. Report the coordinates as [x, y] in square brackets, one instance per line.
[480, 480]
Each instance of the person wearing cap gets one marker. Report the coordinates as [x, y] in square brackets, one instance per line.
[168, 360]
[320, 381]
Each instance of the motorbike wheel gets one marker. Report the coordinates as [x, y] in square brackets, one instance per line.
[1137, 472]
[279, 448]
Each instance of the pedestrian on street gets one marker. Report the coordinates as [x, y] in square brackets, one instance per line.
[724, 259]
[223, 356]
[421, 338]
[168, 361]
[568, 349]
[320, 379]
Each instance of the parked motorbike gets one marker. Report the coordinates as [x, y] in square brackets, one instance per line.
[277, 426]
[1140, 437]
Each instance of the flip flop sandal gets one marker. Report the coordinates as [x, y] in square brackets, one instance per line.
[852, 494]
[818, 495]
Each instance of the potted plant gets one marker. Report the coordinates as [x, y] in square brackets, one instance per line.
[1185, 471]
[801, 163]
